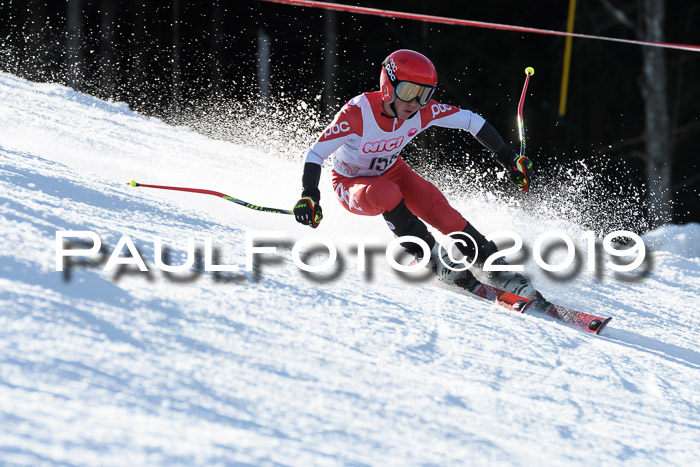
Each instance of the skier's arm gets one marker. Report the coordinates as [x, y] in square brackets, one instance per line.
[519, 168]
[490, 139]
[310, 180]
[325, 145]
[308, 211]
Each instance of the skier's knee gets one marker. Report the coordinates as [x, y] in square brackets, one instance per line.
[385, 196]
[405, 223]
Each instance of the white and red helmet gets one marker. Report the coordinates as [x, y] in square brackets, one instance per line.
[407, 75]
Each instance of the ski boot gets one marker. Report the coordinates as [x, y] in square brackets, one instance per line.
[511, 281]
[539, 302]
[447, 271]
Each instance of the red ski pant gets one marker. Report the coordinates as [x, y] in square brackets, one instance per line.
[371, 196]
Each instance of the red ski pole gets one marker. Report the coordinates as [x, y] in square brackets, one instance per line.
[521, 123]
[213, 193]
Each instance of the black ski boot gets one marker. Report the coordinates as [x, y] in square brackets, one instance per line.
[404, 223]
[509, 281]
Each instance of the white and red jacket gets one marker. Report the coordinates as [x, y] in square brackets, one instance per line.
[364, 142]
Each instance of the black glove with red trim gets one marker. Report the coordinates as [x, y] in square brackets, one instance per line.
[519, 168]
[308, 211]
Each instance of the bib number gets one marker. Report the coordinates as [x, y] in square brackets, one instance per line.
[381, 163]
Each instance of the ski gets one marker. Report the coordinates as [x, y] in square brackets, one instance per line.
[586, 322]
[583, 321]
[501, 298]
[578, 319]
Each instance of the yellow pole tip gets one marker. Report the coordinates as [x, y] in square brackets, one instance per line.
[529, 70]
[133, 183]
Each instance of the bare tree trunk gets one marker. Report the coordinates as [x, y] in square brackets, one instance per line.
[264, 67]
[176, 70]
[658, 128]
[74, 20]
[34, 43]
[108, 66]
[330, 60]
[216, 39]
[138, 48]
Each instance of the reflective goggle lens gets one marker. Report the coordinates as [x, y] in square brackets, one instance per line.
[406, 92]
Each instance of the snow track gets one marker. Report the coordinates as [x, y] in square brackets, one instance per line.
[274, 367]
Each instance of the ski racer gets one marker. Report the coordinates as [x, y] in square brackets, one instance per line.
[370, 177]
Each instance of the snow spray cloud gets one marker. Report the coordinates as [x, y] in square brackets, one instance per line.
[283, 127]
[592, 193]
[582, 193]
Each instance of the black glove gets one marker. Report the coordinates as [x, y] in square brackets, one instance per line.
[308, 211]
[519, 168]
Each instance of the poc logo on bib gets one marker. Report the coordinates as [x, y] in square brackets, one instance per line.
[437, 109]
[337, 129]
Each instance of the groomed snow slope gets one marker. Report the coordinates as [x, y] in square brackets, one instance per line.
[275, 367]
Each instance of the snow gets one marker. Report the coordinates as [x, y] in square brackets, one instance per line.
[276, 366]
[682, 240]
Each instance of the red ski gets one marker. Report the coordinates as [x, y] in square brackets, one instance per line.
[501, 297]
[589, 323]
[583, 321]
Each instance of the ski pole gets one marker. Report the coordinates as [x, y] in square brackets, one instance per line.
[521, 123]
[213, 193]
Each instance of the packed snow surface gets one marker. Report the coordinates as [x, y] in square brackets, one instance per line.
[279, 366]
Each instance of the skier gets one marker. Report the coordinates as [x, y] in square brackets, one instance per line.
[370, 177]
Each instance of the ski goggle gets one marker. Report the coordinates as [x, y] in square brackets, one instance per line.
[407, 91]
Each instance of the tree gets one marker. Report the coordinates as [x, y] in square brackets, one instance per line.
[139, 48]
[74, 24]
[657, 121]
[216, 39]
[108, 66]
[657, 118]
[330, 60]
[175, 57]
